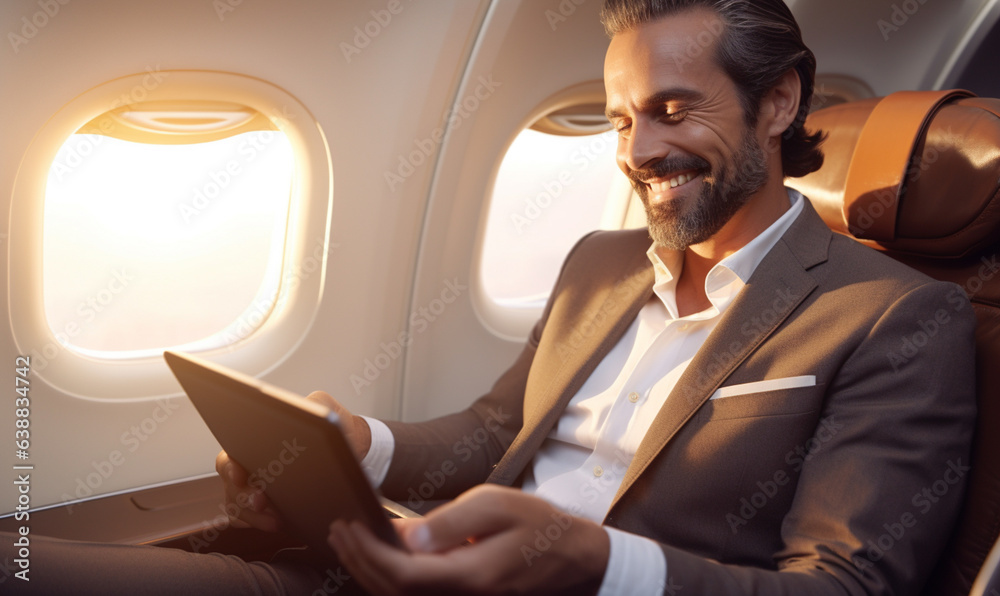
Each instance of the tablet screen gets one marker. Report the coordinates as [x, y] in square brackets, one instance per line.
[292, 448]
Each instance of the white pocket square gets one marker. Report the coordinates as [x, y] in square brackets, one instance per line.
[761, 386]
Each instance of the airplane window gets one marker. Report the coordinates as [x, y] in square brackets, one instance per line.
[551, 189]
[155, 241]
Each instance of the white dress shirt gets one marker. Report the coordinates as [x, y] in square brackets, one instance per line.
[580, 466]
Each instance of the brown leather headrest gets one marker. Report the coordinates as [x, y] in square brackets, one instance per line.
[915, 172]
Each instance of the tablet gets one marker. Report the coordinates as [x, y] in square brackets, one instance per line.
[293, 448]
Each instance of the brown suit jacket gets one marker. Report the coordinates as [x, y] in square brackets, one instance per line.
[850, 486]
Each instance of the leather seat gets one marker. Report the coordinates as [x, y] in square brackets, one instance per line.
[939, 213]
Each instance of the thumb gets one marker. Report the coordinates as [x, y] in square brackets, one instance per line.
[416, 535]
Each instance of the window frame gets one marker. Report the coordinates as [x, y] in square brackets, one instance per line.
[513, 320]
[305, 253]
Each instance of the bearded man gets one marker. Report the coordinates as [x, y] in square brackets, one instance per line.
[705, 407]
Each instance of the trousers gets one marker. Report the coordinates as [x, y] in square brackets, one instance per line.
[56, 567]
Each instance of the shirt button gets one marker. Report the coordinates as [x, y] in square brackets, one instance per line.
[598, 471]
[633, 397]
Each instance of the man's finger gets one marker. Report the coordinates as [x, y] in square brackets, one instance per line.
[266, 520]
[230, 471]
[385, 569]
[370, 569]
[221, 461]
[246, 498]
[475, 514]
[324, 399]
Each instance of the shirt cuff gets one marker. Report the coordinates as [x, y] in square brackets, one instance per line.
[376, 462]
[636, 566]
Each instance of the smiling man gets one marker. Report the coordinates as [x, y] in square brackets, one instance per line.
[705, 407]
[729, 423]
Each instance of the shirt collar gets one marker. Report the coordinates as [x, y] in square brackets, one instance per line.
[728, 276]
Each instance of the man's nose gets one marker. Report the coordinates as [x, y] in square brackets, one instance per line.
[642, 147]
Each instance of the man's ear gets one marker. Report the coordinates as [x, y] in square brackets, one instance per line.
[780, 107]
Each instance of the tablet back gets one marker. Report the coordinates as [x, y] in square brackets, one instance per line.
[292, 448]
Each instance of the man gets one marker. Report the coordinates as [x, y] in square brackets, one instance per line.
[712, 414]
[724, 406]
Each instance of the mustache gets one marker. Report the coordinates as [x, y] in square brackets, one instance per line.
[666, 166]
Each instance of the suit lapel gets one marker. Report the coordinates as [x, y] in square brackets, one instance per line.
[778, 286]
[780, 283]
[580, 348]
[583, 349]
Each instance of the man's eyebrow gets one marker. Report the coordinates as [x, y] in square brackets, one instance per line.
[660, 98]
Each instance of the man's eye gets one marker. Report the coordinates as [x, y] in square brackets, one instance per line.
[622, 128]
[675, 114]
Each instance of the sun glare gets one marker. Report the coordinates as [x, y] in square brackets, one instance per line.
[549, 192]
[149, 246]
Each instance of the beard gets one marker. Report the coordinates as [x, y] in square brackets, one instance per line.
[723, 193]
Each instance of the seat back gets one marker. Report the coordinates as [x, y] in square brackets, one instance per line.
[916, 175]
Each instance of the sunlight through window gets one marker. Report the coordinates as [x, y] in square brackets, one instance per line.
[550, 191]
[149, 246]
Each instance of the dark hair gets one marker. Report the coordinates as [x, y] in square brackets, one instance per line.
[760, 42]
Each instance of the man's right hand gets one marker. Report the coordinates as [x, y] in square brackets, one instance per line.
[249, 503]
[247, 506]
[356, 430]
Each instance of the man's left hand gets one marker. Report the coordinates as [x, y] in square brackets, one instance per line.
[490, 540]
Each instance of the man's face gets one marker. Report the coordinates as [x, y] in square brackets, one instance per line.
[683, 140]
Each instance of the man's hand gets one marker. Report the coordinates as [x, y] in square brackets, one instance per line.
[246, 503]
[519, 544]
[356, 430]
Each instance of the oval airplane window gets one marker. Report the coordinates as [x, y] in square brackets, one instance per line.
[177, 209]
[558, 181]
[168, 209]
